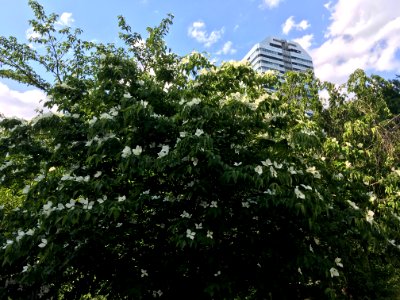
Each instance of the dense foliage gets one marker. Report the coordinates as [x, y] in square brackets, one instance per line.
[167, 176]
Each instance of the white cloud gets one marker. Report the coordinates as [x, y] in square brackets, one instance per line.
[20, 104]
[227, 49]
[290, 24]
[270, 3]
[305, 41]
[66, 19]
[236, 27]
[31, 34]
[198, 31]
[328, 5]
[362, 34]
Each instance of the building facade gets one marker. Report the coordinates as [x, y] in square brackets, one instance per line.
[279, 55]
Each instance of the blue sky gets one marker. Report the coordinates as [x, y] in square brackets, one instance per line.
[340, 35]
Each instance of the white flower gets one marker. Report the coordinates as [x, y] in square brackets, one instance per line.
[164, 151]
[83, 201]
[199, 132]
[121, 198]
[66, 177]
[127, 95]
[98, 174]
[273, 172]
[144, 273]
[8, 243]
[338, 262]
[71, 204]
[182, 134]
[88, 205]
[269, 192]
[60, 206]
[313, 171]
[199, 226]
[204, 204]
[246, 204]
[334, 272]
[20, 235]
[258, 170]
[214, 204]
[144, 103]
[25, 268]
[194, 101]
[30, 232]
[158, 293]
[348, 164]
[236, 164]
[292, 170]
[370, 216]
[195, 161]
[190, 234]
[217, 274]
[43, 243]
[48, 205]
[26, 189]
[39, 178]
[106, 116]
[137, 151]
[92, 121]
[353, 205]
[210, 234]
[338, 176]
[372, 197]
[307, 187]
[298, 193]
[299, 270]
[266, 162]
[185, 214]
[278, 166]
[127, 151]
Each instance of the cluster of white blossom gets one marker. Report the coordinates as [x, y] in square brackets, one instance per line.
[314, 172]
[299, 194]
[333, 271]
[194, 101]
[127, 151]
[66, 177]
[370, 216]
[164, 151]
[100, 140]
[19, 235]
[6, 165]
[308, 131]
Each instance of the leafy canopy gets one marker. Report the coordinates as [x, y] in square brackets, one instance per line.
[168, 176]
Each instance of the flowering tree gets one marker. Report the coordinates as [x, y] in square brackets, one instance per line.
[167, 176]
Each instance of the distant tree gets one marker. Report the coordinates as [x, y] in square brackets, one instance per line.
[392, 95]
[168, 176]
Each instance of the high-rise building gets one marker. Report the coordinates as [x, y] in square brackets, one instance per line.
[279, 55]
